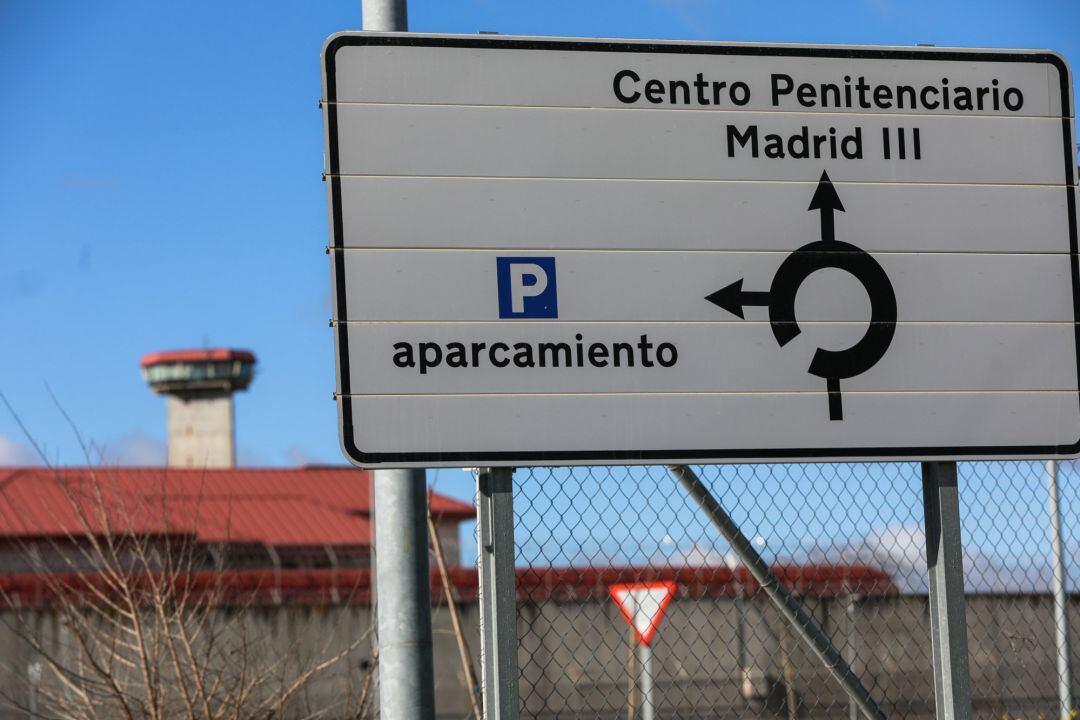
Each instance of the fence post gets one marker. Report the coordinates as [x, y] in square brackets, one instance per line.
[852, 641]
[498, 593]
[745, 684]
[945, 568]
[1061, 594]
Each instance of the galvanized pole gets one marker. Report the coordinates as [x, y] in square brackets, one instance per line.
[385, 15]
[786, 603]
[403, 584]
[498, 593]
[645, 681]
[1061, 597]
[402, 579]
[945, 568]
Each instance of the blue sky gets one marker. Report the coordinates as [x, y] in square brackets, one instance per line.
[160, 187]
[159, 183]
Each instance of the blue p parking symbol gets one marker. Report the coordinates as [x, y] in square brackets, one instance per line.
[527, 287]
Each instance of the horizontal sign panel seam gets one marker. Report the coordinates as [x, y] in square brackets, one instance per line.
[830, 112]
[654, 45]
[424, 108]
[740, 323]
[668, 457]
[599, 178]
[705, 393]
[487, 250]
[728, 181]
[726, 251]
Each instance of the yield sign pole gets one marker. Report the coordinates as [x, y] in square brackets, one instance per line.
[786, 603]
[643, 605]
[645, 680]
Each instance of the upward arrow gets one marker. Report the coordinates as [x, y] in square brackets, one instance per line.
[826, 200]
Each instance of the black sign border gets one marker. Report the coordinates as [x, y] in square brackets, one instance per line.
[556, 457]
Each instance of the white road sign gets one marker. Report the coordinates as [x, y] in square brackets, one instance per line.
[550, 251]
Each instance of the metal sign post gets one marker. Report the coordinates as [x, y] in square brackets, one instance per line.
[645, 681]
[945, 567]
[402, 580]
[403, 588]
[498, 592]
[1061, 595]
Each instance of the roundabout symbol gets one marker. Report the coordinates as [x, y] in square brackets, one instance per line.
[831, 365]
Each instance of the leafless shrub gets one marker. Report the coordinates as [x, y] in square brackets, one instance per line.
[134, 622]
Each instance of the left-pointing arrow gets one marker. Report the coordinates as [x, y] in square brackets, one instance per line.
[733, 298]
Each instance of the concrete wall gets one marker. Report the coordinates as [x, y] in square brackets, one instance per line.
[574, 657]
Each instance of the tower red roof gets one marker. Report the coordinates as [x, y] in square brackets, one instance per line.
[194, 356]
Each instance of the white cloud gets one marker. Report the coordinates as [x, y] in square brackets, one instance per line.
[299, 457]
[249, 458]
[135, 450]
[900, 550]
[882, 7]
[691, 13]
[16, 453]
[699, 554]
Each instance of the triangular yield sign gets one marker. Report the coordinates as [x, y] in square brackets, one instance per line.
[643, 605]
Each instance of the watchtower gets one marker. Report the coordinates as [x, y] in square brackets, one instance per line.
[199, 386]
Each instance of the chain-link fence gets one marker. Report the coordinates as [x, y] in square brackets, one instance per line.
[847, 538]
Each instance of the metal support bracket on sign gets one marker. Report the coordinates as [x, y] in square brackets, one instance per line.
[498, 592]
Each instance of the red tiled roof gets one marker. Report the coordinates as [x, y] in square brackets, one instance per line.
[312, 506]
